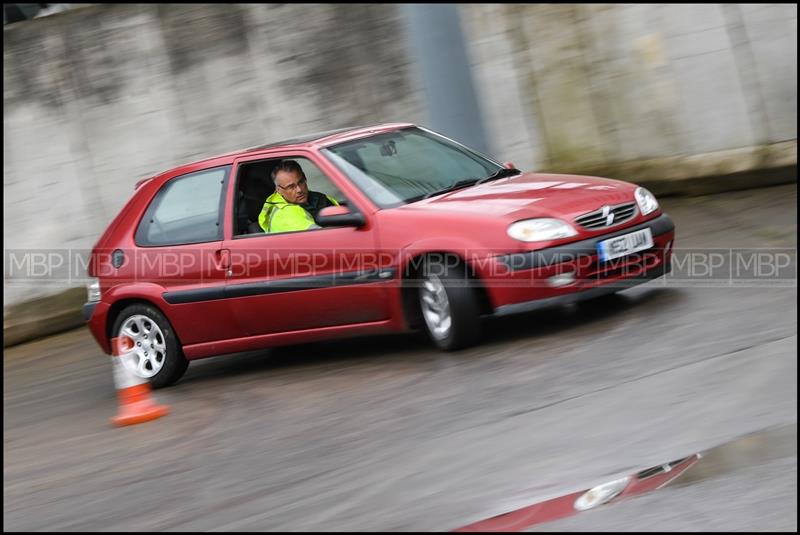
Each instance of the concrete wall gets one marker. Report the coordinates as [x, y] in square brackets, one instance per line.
[566, 86]
[96, 98]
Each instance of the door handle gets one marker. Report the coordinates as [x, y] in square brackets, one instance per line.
[223, 257]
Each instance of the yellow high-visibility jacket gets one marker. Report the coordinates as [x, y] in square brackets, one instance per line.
[277, 215]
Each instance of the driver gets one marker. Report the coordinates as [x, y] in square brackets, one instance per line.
[292, 207]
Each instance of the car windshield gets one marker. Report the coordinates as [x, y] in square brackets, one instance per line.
[404, 166]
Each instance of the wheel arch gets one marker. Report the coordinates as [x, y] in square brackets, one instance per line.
[410, 271]
[120, 305]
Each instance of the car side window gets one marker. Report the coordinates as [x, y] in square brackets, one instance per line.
[254, 186]
[317, 181]
[187, 209]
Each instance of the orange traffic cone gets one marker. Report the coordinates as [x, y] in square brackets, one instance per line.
[135, 404]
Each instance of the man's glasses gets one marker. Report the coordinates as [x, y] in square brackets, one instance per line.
[295, 186]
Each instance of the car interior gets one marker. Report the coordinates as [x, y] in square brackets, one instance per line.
[254, 185]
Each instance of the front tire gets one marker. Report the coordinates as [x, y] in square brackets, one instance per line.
[449, 306]
[157, 353]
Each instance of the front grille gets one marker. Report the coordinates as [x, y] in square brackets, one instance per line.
[599, 218]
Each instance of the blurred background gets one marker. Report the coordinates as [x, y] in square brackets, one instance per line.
[99, 96]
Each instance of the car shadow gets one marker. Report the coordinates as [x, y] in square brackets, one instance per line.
[415, 348]
[559, 319]
[348, 351]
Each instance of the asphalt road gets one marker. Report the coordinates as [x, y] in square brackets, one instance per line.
[385, 433]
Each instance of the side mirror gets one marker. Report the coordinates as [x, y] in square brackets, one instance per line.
[339, 216]
[509, 165]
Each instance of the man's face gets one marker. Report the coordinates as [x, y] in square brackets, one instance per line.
[292, 186]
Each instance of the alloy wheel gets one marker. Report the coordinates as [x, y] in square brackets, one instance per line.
[149, 350]
[435, 307]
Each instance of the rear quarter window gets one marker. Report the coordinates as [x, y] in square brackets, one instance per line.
[187, 209]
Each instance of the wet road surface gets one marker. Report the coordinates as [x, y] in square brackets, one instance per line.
[748, 484]
[385, 433]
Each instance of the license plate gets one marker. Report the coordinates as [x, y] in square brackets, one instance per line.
[625, 244]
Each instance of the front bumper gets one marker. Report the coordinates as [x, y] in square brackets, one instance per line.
[88, 310]
[591, 293]
[521, 283]
[96, 314]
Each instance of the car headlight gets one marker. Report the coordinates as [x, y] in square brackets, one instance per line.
[647, 201]
[542, 229]
[93, 291]
[601, 494]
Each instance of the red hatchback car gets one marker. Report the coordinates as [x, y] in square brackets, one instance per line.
[427, 234]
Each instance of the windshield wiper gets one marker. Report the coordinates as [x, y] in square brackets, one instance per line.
[452, 187]
[500, 173]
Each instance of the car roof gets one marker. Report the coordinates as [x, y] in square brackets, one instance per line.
[317, 140]
[303, 139]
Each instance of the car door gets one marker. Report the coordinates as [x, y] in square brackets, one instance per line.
[179, 249]
[309, 279]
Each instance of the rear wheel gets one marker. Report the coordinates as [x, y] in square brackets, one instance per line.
[157, 354]
[449, 306]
